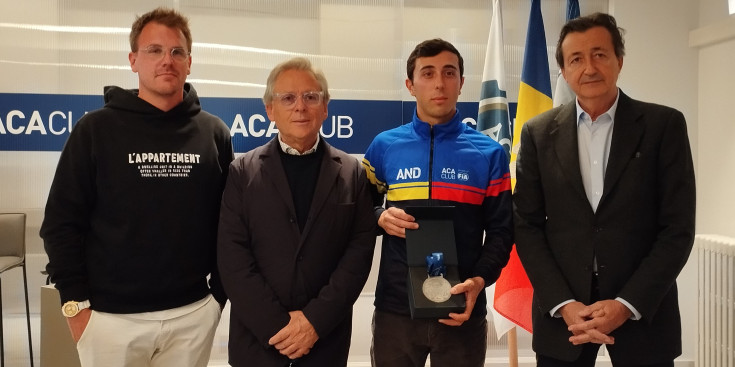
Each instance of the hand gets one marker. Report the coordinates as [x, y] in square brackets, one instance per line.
[78, 323]
[295, 339]
[394, 221]
[471, 289]
[572, 314]
[603, 316]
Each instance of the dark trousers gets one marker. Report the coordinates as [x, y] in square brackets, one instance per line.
[587, 359]
[589, 350]
[399, 341]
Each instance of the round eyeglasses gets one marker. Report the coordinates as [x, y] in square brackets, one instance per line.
[156, 53]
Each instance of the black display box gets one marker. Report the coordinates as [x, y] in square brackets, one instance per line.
[435, 234]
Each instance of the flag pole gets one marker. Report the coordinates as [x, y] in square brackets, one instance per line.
[494, 121]
[512, 347]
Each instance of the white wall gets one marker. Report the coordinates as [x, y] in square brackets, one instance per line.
[715, 43]
[717, 129]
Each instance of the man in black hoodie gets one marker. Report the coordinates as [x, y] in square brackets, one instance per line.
[131, 219]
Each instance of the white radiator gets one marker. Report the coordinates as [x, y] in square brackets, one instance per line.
[716, 300]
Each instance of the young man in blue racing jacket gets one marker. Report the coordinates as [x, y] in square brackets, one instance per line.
[436, 159]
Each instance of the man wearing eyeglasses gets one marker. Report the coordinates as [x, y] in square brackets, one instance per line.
[131, 219]
[296, 234]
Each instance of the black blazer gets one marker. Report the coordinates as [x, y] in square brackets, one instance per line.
[269, 267]
[641, 234]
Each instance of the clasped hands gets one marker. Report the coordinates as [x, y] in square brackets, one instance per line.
[296, 338]
[594, 323]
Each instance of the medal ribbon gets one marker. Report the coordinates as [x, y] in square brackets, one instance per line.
[435, 264]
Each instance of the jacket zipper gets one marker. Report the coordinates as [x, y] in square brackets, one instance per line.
[431, 161]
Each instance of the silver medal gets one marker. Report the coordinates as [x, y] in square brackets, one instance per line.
[436, 289]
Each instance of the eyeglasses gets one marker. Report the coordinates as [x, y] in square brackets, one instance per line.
[311, 98]
[156, 53]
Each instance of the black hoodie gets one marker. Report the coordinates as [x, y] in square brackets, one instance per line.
[131, 218]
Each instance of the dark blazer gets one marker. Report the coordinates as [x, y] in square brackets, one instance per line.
[269, 267]
[641, 234]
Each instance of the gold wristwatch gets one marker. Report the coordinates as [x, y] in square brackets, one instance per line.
[72, 308]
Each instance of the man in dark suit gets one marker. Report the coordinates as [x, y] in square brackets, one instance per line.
[296, 234]
[604, 212]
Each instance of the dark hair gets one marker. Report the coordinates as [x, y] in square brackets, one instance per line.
[431, 48]
[582, 24]
[168, 17]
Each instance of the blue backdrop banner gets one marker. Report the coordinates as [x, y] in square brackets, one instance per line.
[42, 122]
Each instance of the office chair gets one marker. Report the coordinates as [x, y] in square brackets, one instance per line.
[12, 254]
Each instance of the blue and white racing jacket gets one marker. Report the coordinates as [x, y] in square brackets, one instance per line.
[447, 164]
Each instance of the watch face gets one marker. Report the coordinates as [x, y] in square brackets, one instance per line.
[70, 309]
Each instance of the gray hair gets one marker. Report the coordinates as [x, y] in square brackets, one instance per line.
[296, 63]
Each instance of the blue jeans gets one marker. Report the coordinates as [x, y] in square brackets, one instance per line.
[399, 341]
